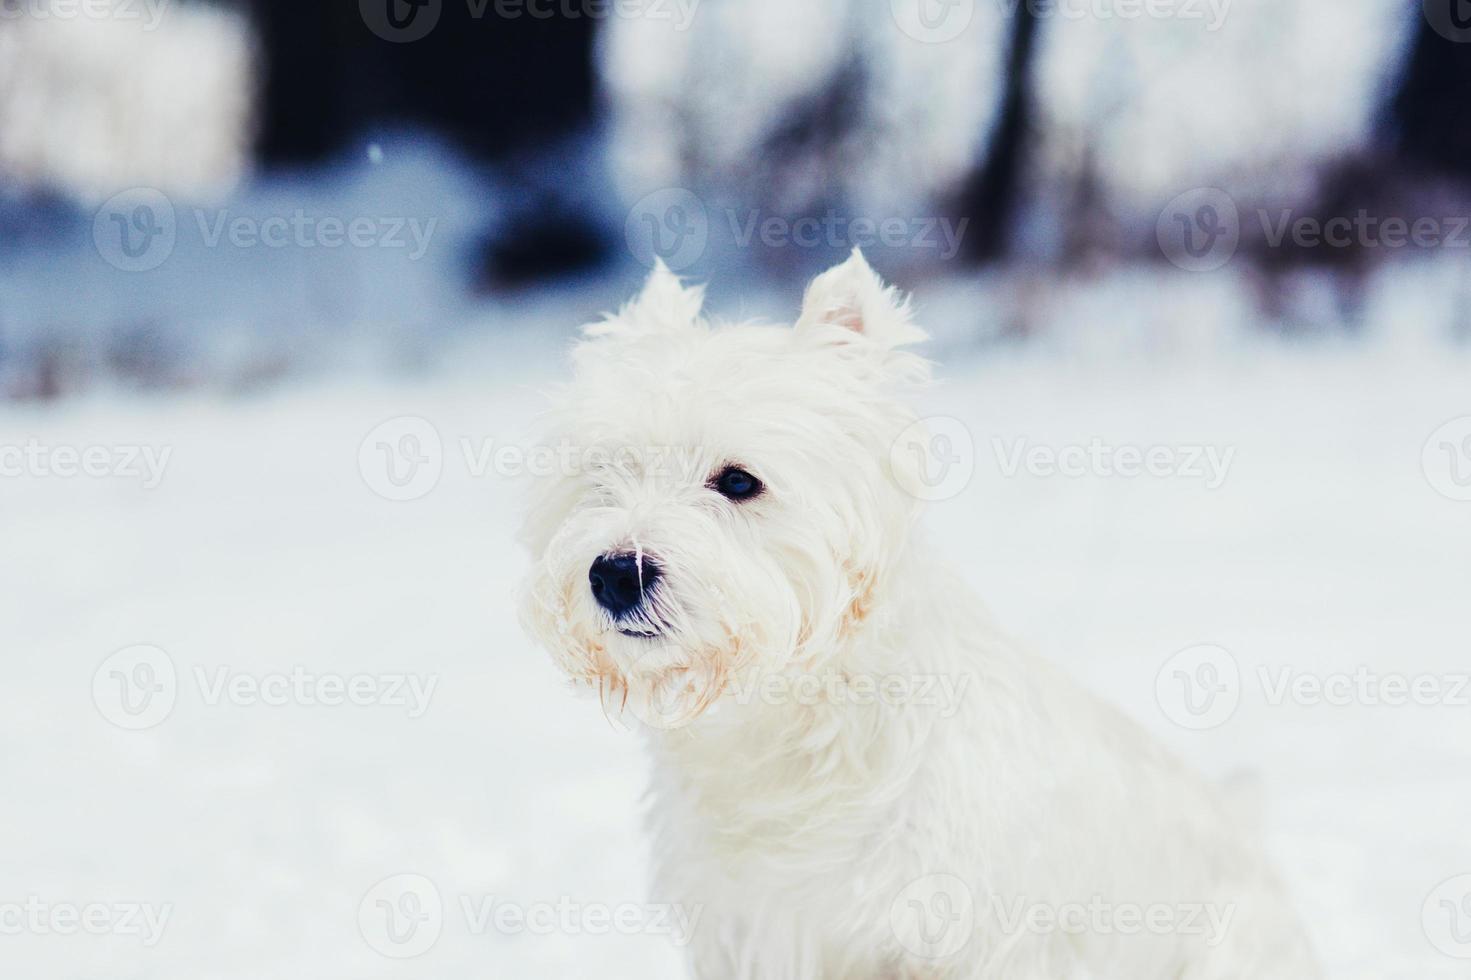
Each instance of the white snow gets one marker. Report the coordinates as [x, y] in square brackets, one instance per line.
[263, 549]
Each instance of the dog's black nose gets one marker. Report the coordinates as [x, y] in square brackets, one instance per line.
[620, 582]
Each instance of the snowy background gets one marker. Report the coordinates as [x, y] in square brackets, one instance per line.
[275, 540]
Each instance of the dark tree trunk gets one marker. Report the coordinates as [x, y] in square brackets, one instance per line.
[989, 195]
[498, 85]
[1430, 118]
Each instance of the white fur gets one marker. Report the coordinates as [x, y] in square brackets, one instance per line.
[799, 824]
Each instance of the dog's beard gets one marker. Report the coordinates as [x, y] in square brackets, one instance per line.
[717, 611]
[668, 677]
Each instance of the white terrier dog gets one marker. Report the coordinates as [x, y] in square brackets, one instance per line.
[737, 565]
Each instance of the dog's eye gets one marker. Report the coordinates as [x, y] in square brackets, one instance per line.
[735, 484]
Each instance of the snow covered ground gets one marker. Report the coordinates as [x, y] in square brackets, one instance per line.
[266, 567]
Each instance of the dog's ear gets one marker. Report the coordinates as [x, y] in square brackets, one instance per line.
[665, 304]
[852, 296]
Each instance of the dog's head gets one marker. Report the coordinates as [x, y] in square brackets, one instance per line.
[730, 500]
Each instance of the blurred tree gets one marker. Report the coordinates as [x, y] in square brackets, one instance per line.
[989, 195]
[505, 82]
[499, 85]
[1431, 114]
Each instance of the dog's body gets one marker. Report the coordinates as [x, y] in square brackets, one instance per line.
[856, 775]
